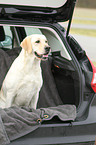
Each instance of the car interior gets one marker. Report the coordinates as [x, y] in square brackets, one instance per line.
[60, 78]
[64, 113]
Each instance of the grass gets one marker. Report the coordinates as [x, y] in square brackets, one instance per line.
[86, 17]
[85, 13]
[87, 32]
[82, 21]
[94, 64]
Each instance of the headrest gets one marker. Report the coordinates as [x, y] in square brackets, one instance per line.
[2, 34]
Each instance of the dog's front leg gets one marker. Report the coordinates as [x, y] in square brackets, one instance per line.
[9, 99]
[34, 101]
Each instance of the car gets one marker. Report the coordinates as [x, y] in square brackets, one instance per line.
[69, 77]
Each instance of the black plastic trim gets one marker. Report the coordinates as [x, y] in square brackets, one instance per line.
[36, 14]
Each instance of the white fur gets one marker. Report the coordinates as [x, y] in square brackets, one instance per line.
[24, 79]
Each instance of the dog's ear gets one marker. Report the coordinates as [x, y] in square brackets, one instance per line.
[26, 44]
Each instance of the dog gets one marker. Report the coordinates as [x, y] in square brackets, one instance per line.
[23, 81]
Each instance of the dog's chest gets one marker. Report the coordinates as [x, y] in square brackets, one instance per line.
[34, 78]
[28, 87]
[30, 75]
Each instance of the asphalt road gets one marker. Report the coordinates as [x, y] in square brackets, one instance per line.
[84, 26]
[88, 44]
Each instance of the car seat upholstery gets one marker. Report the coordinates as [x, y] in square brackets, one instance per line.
[2, 34]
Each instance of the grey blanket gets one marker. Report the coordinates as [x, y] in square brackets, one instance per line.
[16, 122]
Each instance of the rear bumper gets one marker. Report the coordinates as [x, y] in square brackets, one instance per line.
[77, 132]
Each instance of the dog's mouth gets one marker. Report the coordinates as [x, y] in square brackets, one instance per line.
[42, 56]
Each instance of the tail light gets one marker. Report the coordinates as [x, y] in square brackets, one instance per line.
[93, 82]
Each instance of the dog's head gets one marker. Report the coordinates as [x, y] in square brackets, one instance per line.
[36, 44]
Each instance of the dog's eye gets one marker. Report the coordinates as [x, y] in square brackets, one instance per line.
[38, 41]
[46, 41]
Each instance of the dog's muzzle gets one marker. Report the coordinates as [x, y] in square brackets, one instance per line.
[45, 55]
[47, 49]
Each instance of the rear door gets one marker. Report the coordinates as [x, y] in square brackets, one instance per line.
[42, 10]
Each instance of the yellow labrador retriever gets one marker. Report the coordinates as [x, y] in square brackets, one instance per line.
[23, 81]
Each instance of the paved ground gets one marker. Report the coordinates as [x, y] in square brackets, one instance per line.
[88, 44]
[84, 26]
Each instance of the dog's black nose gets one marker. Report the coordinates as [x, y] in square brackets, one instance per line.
[47, 48]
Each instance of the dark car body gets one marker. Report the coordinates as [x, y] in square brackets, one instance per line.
[73, 72]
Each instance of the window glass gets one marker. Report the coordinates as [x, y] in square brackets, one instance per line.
[42, 3]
